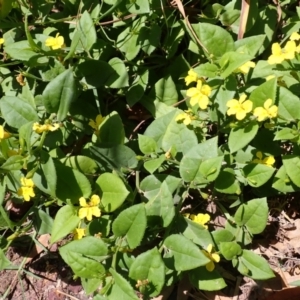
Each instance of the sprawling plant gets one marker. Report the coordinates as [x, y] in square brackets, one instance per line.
[129, 126]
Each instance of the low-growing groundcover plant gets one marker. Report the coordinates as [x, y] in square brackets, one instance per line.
[123, 120]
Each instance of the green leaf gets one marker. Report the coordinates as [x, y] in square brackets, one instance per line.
[288, 105]
[195, 232]
[81, 163]
[121, 289]
[165, 91]
[147, 144]
[71, 184]
[14, 162]
[113, 191]
[138, 7]
[283, 183]
[257, 174]
[231, 61]
[87, 31]
[137, 88]
[168, 133]
[112, 158]
[121, 71]
[187, 255]
[82, 255]
[151, 184]
[292, 167]
[90, 72]
[17, 112]
[21, 51]
[230, 249]
[258, 267]
[127, 41]
[211, 167]
[111, 130]
[222, 235]
[161, 207]
[253, 214]
[215, 39]
[44, 222]
[90, 285]
[5, 8]
[249, 45]
[241, 137]
[192, 160]
[149, 266]
[265, 91]
[149, 37]
[226, 182]
[4, 262]
[206, 280]
[66, 220]
[206, 70]
[152, 165]
[59, 94]
[45, 177]
[286, 134]
[131, 223]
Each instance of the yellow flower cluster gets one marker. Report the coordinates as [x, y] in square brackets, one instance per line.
[88, 210]
[186, 117]
[79, 233]
[269, 111]
[199, 94]
[38, 128]
[268, 160]
[245, 68]
[240, 108]
[201, 219]
[1, 41]
[95, 124]
[56, 42]
[26, 190]
[4, 134]
[214, 257]
[287, 52]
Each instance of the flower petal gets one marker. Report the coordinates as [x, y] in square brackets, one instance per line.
[82, 202]
[95, 200]
[210, 266]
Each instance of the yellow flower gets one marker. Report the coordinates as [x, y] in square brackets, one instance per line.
[45, 127]
[268, 160]
[191, 77]
[295, 36]
[185, 117]
[90, 209]
[95, 124]
[214, 257]
[1, 41]
[56, 42]
[246, 67]
[201, 219]
[4, 134]
[199, 95]
[279, 55]
[266, 112]
[78, 233]
[26, 190]
[240, 107]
